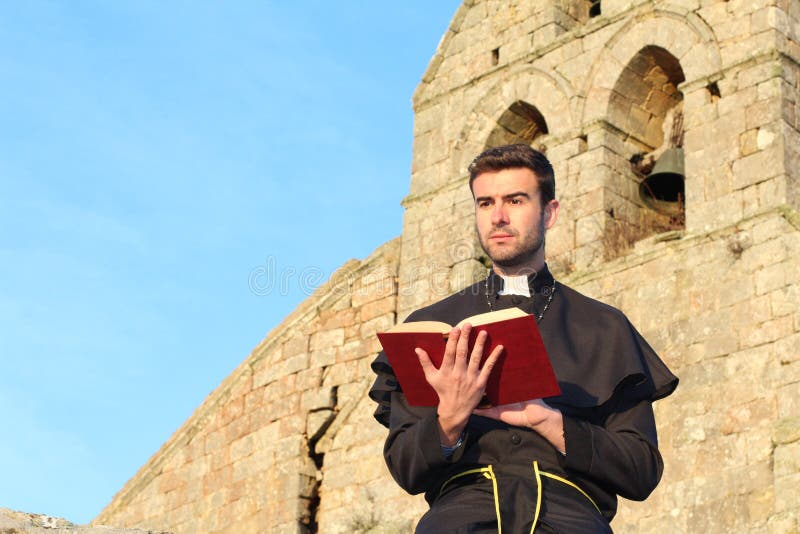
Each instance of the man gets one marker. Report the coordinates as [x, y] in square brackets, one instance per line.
[552, 465]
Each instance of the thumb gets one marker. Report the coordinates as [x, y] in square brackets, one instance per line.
[485, 412]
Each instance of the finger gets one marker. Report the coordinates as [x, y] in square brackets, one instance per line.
[490, 362]
[462, 348]
[426, 363]
[477, 351]
[448, 359]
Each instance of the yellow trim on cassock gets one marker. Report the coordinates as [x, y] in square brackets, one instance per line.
[570, 483]
[488, 473]
[538, 495]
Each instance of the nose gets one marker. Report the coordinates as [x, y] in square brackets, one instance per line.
[499, 215]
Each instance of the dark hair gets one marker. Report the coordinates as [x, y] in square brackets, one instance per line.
[515, 157]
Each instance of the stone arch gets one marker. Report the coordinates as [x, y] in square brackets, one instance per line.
[644, 93]
[684, 35]
[520, 123]
[674, 49]
[646, 109]
[527, 93]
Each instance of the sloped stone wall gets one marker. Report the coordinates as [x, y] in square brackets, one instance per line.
[288, 427]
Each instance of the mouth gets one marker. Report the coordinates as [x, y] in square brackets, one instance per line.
[500, 236]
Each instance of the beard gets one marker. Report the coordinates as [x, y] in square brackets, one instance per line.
[520, 254]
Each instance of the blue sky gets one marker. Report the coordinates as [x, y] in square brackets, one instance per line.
[153, 155]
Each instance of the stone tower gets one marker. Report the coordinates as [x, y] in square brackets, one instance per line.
[707, 268]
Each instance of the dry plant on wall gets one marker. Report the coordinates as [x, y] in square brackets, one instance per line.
[622, 233]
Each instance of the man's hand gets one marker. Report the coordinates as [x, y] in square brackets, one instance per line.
[533, 414]
[460, 380]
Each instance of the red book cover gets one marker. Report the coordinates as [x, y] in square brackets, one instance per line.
[522, 372]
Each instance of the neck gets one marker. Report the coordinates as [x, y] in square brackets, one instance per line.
[527, 268]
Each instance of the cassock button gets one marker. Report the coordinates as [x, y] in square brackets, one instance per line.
[515, 439]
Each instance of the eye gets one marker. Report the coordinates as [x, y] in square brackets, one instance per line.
[483, 203]
[516, 201]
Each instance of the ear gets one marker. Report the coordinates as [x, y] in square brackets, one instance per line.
[550, 214]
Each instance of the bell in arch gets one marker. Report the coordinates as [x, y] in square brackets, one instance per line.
[662, 190]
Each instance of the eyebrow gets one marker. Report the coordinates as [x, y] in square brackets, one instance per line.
[505, 197]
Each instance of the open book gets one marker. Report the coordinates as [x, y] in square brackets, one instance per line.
[522, 372]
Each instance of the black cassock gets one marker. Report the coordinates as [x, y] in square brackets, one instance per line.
[609, 377]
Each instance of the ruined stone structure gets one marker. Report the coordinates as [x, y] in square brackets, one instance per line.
[13, 522]
[707, 268]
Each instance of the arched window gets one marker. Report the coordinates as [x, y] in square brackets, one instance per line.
[646, 109]
[520, 123]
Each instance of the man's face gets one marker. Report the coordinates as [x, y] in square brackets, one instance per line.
[511, 220]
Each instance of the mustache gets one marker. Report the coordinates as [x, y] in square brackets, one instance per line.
[502, 231]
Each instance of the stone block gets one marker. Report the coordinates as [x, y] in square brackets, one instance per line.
[787, 492]
[787, 349]
[316, 399]
[763, 254]
[231, 410]
[772, 277]
[757, 167]
[465, 273]
[789, 400]
[327, 339]
[748, 142]
[787, 459]
[236, 429]
[740, 50]
[762, 113]
[752, 76]
[376, 308]
[379, 324]
[309, 378]
[323, 357]
[772, 192]
[767, 332]
[769, 18]
[773, 88]
[783, 523]
[354, 350]
[213, 441]
[332, 319]
[379, 286]
[279, 389]
[720, 516]
[282, 407]
[767, 135]
[297, 344]
[241, 447]
[317, 422]
[215, 482]
[340, 373]
[588, 229]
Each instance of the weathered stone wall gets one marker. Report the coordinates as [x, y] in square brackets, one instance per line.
[291, 424]
[723, 309]
[713, 288]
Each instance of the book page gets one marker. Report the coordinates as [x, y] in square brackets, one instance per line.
[493, 317]
[421, 326]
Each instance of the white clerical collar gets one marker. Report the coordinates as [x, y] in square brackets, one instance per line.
[515, 285]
